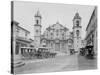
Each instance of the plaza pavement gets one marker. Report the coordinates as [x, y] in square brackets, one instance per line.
[59, 63]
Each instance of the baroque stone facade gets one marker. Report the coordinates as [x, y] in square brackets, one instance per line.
[58, 37]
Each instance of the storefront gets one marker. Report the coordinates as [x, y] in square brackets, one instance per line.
[21, 43]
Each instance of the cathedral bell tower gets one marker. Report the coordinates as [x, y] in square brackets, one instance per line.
[77, 32]
[37, 29]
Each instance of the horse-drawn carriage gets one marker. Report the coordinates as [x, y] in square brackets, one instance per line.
[44, 52]
[38, 53]
[72, 51]
[89, 52]
[27, 52]
[82, 51]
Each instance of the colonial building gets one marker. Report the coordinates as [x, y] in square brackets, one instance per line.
[91, 31]
[20, 38]
[77, 32]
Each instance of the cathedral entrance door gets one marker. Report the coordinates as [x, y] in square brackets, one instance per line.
[57, 45]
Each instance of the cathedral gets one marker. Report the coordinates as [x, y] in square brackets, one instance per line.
[57, 37]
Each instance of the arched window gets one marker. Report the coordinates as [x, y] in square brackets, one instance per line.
[77, 23]
[63, 36]
[57, 31]
[51, 34]
[37, 31]
[77, 32]
[37, 21]
[51, 44]
[25, 34]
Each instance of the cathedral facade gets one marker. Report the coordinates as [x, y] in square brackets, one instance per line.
[57, 37]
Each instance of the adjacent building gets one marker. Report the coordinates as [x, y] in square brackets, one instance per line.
[91, 31]
[20, 38]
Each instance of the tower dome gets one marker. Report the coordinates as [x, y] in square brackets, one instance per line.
[77, 16]
[38, 14]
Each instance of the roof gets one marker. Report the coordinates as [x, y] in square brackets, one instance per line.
[90, 19]
[23, 29]
[17, 24]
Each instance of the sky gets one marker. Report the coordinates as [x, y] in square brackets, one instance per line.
[51, 13]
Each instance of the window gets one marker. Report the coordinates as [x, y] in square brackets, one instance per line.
[51, 34]
[63, 36]
[37, 31]
[77, 32]
[37, 21]
[44, 41]
[57, 32]
[17, 48]
[26, 34]
[17, 29]
[51, 44]
[77, 23]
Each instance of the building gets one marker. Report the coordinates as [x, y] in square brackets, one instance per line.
[56, 37]
[20, 38]
[91, 31]
[77, 32]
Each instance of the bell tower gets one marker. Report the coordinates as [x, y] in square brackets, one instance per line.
[77, 32]
[37, 29]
